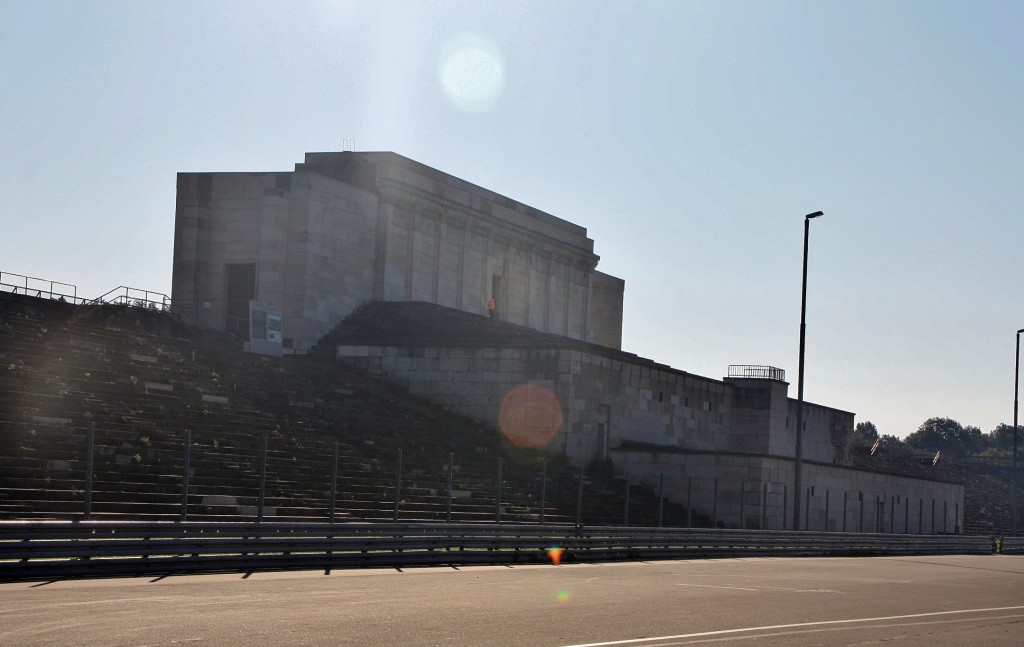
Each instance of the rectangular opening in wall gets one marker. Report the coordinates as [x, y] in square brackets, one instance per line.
[241, 289]
[497, 292]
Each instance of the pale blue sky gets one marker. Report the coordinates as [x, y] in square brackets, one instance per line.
[689, 138]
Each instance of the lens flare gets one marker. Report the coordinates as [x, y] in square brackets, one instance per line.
[555, 553]
[472, 72]
[562, 596]
[530, 416]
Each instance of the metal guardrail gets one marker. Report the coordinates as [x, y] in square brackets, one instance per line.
[1012, 545]
[757, 372]
[34, 286]
[31, 550]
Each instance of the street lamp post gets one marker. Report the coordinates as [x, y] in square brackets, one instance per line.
[798, 476]
[1013, 469]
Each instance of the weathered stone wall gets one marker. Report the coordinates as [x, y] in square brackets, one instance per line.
[744, 491]
[710, 440]
[347, 228]
[609, 400]
[310, 238]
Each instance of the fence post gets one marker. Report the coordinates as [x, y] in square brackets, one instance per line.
[90, 444]
[906, 515]
[920, 515]
[579, 500]
[451, 469]
[543, 487]
[715, 507]
[661, 498]
[186, 467]
[826, 510]
[785, 505]
[398, 485]
[808, 493]
[845, 496]
[625, 514]
[933, 517]
[743, 505]
[860, 497]
[497, 508]
[263, 478]
[764, 507]
[892, 514]
[334, 481]
[945, 511]
[956, 528]
[689, 502]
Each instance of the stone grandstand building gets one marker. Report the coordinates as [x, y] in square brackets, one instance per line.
[390, 264]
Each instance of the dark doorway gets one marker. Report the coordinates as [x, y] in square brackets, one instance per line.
[241, 290]
[497, 291]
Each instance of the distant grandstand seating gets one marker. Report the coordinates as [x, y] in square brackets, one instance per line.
[140, 379]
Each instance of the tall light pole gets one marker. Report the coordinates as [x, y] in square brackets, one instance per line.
[798, 476]
[1013, 469]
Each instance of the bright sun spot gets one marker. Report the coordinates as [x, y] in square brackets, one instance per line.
[472, 73]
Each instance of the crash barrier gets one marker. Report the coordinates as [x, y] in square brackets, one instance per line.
[41, 550]
[1012, 545]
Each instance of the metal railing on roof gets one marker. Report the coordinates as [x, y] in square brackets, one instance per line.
[752, 371]
[34, 286]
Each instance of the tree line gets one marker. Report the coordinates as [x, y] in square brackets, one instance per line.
[942, 435]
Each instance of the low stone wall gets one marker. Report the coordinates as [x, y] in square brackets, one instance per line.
[756, 492]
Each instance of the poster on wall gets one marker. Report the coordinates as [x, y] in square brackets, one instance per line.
[264, 329]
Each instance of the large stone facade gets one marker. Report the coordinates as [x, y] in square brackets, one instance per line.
[344, 229]
[723, 447]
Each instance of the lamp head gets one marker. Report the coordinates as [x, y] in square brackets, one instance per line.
[1020, 331]
[814, 215]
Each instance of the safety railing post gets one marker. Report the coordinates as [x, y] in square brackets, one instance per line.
[826, 510]
[933, 517]
[451, 469]
[186, 468]
[743, 505]
[892, 514]
[661, 498]
[625, 512]
[579, 500]
[906, 515]
[543, 488]
[398, 485]
[920, 515]
[689, 502]
[715, 505]
[785, 505]
[764, 507]
[263, 479]
[845, 496]
[334, 482]
[90, 447]
[807, 508]
[497, 499]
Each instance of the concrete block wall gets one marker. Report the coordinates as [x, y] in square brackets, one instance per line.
[757, 492]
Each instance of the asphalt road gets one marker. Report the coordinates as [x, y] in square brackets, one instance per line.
[933, 601]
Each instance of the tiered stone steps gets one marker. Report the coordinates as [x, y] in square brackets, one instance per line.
[141, 391]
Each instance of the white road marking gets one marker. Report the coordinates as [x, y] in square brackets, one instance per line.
[712, 586]
[722, 632]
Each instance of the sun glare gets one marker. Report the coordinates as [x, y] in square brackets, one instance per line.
[472, 73]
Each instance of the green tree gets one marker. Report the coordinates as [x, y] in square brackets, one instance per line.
[948, 436]
[1000, 439]
[865, 434]
[891, 441]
